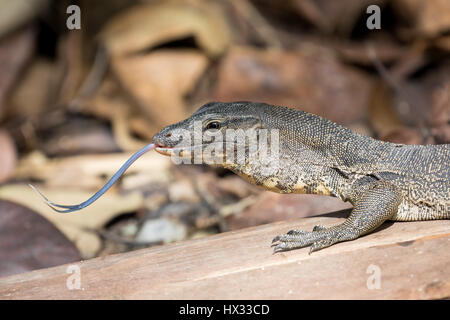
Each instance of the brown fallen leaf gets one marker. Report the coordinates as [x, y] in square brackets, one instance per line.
[111, 103]
[440, 108]
[123, 131]
[440, 113]
[106, 101]
[385, 120]
[247, 16]
[443, 43]
[421, 103]
[310, 79]
[71, 77]
[387, 51]
[14, 14]
[159, 81]
[149, 25]
[382, 114]
[79, 227]
[404, 135]
[334, 16]
[183, 190]
[8, 156]
[441, 133]
[30, 97]
[79, 136]
[428, 17]
[29, 242]
[15, 51]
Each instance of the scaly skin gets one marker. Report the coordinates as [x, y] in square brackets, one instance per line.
[383, 181]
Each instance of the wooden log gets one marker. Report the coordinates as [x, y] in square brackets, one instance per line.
[410, 260]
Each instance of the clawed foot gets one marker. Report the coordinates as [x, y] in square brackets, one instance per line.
[319, 238]
[376, 205]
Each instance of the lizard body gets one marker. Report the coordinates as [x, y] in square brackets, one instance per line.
[383, 181]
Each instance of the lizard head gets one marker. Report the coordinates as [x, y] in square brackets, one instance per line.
[213, 134]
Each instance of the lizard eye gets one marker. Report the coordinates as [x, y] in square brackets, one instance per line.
[213, 125]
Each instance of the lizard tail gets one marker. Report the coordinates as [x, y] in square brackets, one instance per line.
[99, 193]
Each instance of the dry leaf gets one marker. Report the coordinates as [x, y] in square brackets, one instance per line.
[356, 52]
[404, 135]
[440, 113]
[149, 25]
[430, 17]
[159, 81]
[183, 190]
[13, 14]
[15, 50]
[443, 43]
[106, 101]
[332, 15]
[382, 115]
[110, 102]
[76, 226]
[8, 156]
[310, 79]
[79, 136]
[440, 108]
[30, 97]
[70, 69]
[29, 242]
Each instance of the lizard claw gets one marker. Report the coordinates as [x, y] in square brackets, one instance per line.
[319, 228]
[296, 232]
[277, 238]
[316, 246]
[279, 248]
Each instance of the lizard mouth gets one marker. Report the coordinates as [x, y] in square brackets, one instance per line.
[175, 151]
[164, 150]
[170, 151]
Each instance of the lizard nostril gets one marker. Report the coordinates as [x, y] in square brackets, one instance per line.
[168, 135]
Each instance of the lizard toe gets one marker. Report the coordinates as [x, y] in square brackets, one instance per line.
[280, 247]
[316, 246]
[276, 239]
[296, 232]
[292, 237]
[319, 228]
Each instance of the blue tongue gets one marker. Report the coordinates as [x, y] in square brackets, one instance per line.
[99, 193]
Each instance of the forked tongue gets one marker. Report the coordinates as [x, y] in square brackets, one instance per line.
[99, 193]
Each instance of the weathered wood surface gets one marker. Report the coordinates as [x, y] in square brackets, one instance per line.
[413, 259]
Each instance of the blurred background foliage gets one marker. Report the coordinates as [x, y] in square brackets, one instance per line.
[74, 104]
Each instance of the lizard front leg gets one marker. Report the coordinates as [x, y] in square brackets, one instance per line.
[376, 205]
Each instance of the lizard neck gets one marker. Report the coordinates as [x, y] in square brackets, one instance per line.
[315, 140]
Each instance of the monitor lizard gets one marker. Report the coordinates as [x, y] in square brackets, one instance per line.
[383, 181]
